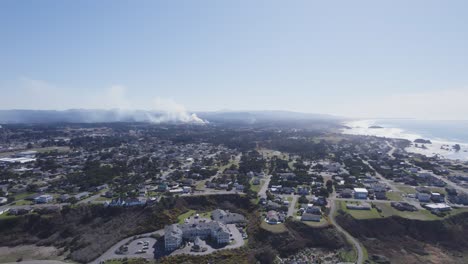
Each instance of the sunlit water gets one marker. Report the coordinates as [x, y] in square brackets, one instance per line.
[442, 134]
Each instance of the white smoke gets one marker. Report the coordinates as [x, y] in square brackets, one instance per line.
[171, 111]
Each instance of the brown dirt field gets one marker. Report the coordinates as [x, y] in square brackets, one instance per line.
[29, 252]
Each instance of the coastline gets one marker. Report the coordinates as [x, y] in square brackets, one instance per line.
[441, 147]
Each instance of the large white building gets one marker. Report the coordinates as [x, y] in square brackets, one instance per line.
[176, 233]
[360, 193]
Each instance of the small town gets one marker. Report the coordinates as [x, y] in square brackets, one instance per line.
[140, 166]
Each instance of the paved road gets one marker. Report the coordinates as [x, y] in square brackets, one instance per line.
[392, 150]
[292, 205]
[447, 181]
[264, 188]
[381, 177]
[350, 238]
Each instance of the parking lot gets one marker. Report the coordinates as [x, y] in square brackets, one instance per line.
[142, 247]
[133, 248]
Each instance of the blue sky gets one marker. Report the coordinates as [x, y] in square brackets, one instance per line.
[348, 58]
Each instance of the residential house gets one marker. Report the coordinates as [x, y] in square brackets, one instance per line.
[423, 197]
[45, 198]
[360, 193]
[311, 217]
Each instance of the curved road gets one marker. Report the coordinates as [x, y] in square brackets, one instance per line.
[354, 241]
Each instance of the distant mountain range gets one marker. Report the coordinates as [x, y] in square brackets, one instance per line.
[114, 115]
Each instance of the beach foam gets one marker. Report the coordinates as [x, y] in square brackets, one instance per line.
[361, 127]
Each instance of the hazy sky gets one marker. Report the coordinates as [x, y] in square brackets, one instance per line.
[348, 58]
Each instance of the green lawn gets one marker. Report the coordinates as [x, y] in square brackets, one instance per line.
[394, 196]
[184, 216]
[279, 228]
[200, 185]
[388, 210]
[102, 199]
[191, 213]
[323, 222]
[359, 214]
[406, 188]
[22, 202]
[348, 255]
[21, 196]
[256, 188]
[206, 215]
[7, 216]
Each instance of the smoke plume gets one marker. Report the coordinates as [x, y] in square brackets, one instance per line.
[170, 111]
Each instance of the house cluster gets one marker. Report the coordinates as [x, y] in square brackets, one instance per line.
[274, 217]
[197, 228]
[127, 202]
[153, 166]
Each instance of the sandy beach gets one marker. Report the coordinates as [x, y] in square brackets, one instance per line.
[438, 147]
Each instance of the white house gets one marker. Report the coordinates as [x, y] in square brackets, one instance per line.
[360, 193]
[45, 198]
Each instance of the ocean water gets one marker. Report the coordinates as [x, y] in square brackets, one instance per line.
[441, 133]
[453, 131]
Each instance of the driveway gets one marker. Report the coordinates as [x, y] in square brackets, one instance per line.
[264, 188]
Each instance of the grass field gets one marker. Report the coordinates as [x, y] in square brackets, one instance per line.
[184, 216]
[22, 202]
[234, 161]
[200, 185]
[359, 214]
[102, 199]
[256, 188]
[7, 216]
[388, 210]
[348, 255]
[206, 215]
[21, 196]
[191, 213]
[394, 196]
[269, 153]
[406, 188]
[279, 228]
[323, 222]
